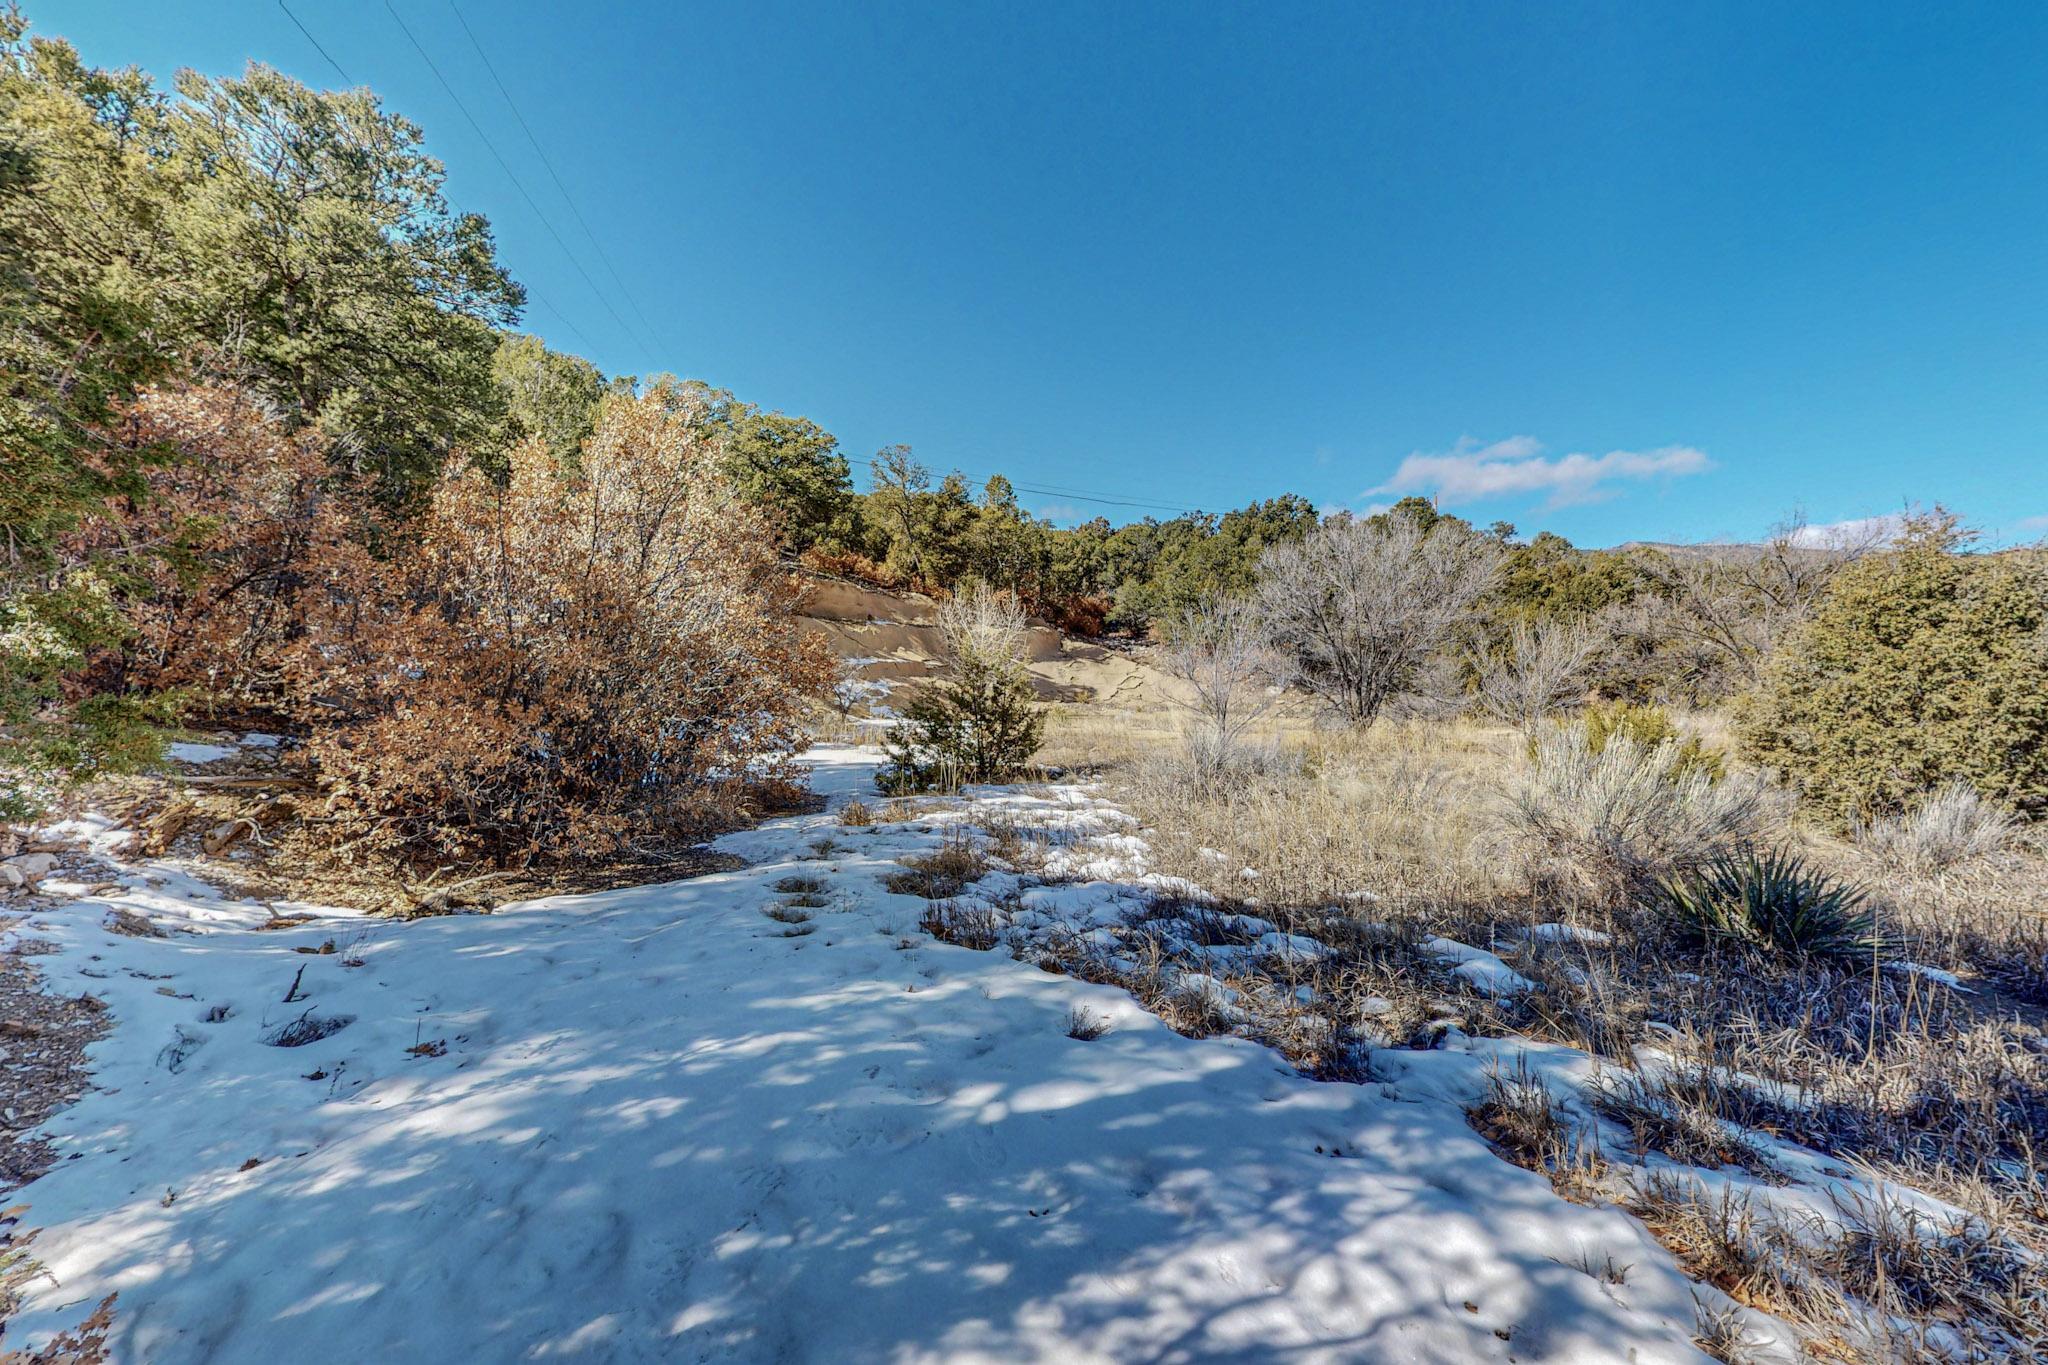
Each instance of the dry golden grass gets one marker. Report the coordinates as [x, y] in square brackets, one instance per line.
[1367, 842]
[1089, 738]
[1987, 916]
[1394, 820]
[944, 872]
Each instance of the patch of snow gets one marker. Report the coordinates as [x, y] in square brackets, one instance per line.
[649, 1124]
[186, 751]
[1927, 973]
[1567, 933]
[1291, 945]
[1480, 969]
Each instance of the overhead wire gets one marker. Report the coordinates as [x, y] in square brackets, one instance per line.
[531, 292]
[1097, 497]
[602, 255]
[1046, 490]
[345, 77]
[517, 183]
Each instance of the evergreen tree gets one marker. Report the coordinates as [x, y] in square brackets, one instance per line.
[548, 394]
[1920, 666]
[981, 722]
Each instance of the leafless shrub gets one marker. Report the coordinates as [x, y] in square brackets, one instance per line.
[1221, 652]
[1540, 670]
[981, 624]
[1603, 823]
[1734, 604]
[1360, 606]
[1947, 826]
[856, 814]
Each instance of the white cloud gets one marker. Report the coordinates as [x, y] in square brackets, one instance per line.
[1470, 472]
[1062, 511]
[1851, 534]
[2039, 523]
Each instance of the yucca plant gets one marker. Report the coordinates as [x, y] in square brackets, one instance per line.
[1774, 900]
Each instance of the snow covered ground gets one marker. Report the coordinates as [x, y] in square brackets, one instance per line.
[659, 1124]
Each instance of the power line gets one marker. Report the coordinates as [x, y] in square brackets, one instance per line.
[1042, 490]
[560, 316]
[346, 79]
[1107, 499]
[513, 176]
[632, 302]
[1119, 497]
[531, 292]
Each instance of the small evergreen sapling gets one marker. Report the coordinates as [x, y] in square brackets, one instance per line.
[980, 723]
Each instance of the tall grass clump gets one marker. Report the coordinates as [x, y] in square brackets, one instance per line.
[1391, 817]
[1601, 823]
[1947, 826]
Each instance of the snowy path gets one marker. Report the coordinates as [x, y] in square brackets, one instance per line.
[661, 1129]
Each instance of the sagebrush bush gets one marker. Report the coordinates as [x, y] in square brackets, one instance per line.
[1945, 827]
[1772, 900]
[1920, 666]
[1604, 821]
[1650, 725]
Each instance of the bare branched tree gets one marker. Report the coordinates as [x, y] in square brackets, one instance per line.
[1220, 651]
[1734, 604]
[985, 626]
[1360, 606]
[1541, 669]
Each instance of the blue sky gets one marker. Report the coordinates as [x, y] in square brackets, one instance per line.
[1625, 272]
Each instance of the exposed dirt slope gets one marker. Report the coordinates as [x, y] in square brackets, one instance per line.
[892, 638]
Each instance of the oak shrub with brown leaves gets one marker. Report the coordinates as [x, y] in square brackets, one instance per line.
[539, 664]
